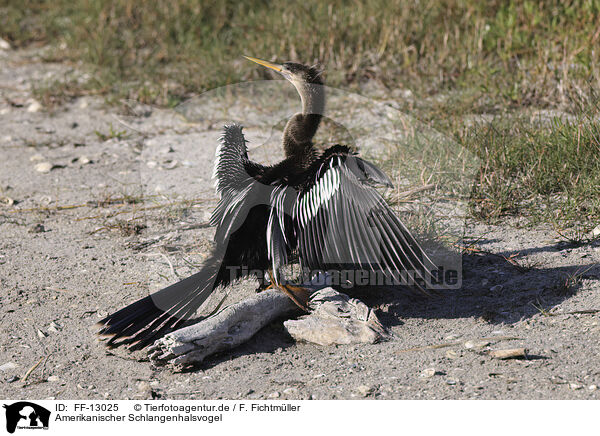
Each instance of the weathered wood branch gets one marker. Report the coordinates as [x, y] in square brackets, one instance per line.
[225, 330]
[335, 318]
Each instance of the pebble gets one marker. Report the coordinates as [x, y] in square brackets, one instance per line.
[476, 344]
[53, 378]
[169, 165]
[36, 157]
[4, 45]
[496, 288]
[54, 327]
[290, 391]
[43, 167]
[451, 381]
[575, 386]
[273, 395]
[41, 334]
[592, 387]
[451, 354]
[37, 228]
[428, 373]
[364, 390]
[7, 200]
[8, 366]
[34, 106]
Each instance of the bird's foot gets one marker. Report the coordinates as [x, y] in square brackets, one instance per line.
[297, 294]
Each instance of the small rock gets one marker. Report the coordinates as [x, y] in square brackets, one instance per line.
[470, 345]
[53, 379]
[364, 390]
[36, 157]
[4, 45]
[427, 373]
[273, 395]
[34, 106]
[290, 391]
[451, 354]
[496, 288]
[592, 387]
[575, 386]
[84, 160]
[171, 164]
[7, 200]
[451, 381]
[41, 334]
[8, 366]
[37, 228]
[13, 379]
[43, 167]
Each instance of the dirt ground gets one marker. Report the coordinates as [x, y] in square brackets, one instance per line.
[77, 242]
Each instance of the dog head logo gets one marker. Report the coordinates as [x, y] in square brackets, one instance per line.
[26, 415]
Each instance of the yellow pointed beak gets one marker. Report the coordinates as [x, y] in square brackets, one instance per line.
[267, 64]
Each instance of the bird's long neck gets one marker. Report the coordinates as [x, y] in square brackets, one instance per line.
[302, 127]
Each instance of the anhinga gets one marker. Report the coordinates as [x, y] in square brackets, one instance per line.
[319, 207]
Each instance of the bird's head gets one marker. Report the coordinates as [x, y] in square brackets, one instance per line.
[296, 73]
[301, 128]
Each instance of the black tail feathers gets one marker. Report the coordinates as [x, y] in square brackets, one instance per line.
[149, 318]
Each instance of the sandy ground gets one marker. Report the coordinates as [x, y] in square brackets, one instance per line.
[76, 243]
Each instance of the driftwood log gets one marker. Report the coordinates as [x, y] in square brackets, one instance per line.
[335, 318]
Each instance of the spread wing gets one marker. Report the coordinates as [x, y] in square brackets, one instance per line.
[234, 179]
[342, 223]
